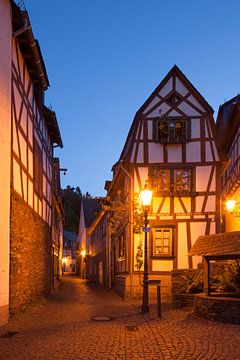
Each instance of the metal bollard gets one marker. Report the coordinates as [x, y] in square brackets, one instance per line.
[158, 301]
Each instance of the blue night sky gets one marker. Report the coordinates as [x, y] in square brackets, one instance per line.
[105, 57]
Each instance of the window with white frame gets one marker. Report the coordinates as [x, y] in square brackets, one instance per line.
[162, 238]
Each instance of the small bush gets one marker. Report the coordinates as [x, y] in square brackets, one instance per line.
[190, 282]
[230, 280]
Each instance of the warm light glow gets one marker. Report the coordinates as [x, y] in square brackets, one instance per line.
[64, 260]
[230, 205]
[145, 197]
[83, 253]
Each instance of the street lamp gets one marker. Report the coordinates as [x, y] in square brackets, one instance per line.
[83, 253]
[145, 200]
[230, 205]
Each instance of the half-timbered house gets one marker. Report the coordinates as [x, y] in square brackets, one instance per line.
[28, 133]
[69, 255]
[57, 226]
[171, 145]
[228, 121]
[86, 267]
[98, 252]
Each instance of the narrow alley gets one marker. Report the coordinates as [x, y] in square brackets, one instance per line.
[63, 327]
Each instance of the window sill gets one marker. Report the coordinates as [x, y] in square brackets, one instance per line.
[168, 141]
[163, 257]
[176, 193]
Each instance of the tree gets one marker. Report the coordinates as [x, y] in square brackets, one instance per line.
[72, 198]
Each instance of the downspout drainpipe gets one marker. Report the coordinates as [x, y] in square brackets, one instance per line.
[131, 224]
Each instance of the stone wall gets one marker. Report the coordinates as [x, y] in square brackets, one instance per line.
[218, 308]
[30, 259]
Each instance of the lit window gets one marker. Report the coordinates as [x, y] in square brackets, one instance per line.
[182, 180]
[174, 180]
[159, 179]
[172, 130]
[162, 241]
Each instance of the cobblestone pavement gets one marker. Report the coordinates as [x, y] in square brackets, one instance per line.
[62, 327]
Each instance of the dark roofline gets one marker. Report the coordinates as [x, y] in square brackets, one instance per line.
[186, 81]
[52, 126]
[221, 244]
[29, 46]
[237, 97]
[174, 70]
[91, 207]
[228, 123]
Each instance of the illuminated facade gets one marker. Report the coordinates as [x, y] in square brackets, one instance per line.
[69, 254]
[171, 145]
[28, 132]
[229, 131]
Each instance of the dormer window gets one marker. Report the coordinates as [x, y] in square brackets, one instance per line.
[172, 130]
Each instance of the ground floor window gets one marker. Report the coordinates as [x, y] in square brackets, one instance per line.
[162, 239]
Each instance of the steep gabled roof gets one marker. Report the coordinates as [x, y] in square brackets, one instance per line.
[228, 120]
[199, 105]
[176, 71]
[224, 244]
[90, 210]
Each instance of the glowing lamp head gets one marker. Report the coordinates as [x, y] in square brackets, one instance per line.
[83, 253]
[230, 205]
[145, 197]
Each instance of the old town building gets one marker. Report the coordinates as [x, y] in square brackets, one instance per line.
[30, 239]
[171, 146]
[98, 252]
[69, 254]
[86, 262]
[228, 125]
[57, 225]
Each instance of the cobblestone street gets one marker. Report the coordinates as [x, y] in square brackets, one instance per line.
[62, 327]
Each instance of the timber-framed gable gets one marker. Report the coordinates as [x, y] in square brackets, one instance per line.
[33, 134]
[33, 215]
[172, 145]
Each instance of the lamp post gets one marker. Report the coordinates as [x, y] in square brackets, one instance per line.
[145, 200]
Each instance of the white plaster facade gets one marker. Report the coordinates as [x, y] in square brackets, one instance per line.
[5, 159]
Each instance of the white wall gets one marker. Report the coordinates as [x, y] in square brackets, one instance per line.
[5, 137]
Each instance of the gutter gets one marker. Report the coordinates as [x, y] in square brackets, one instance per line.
[26, 29]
